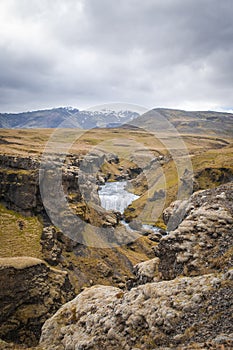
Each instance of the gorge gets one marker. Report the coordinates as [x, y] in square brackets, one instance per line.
[165, 289]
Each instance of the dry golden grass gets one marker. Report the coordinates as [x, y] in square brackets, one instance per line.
[19, 262]
[19, 235]
[33, 141]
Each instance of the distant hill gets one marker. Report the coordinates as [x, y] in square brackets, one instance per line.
[158, 119]
[205, 122]
[66, 117]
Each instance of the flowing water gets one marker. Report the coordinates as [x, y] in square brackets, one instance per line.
[113, 196]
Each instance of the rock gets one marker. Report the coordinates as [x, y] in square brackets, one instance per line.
[146, 271]
[104, 269]
[221, 196]
[174, 214]
[157, 195]
[100, 180]
[162, 231]
[19, 183]
[135, 225]
[30, 293]
[19, 162]
[111, 219]
[169, 314]
[202, 241]
[155, 237]
[160, 315]
[51, 248]
[18, 189]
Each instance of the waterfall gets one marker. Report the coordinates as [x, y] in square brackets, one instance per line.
[113, 196]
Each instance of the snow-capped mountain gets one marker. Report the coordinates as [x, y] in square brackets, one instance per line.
[67, 117]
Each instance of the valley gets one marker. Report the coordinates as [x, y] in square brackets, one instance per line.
[54, 228]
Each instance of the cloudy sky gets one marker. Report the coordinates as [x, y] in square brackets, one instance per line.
[153, 53]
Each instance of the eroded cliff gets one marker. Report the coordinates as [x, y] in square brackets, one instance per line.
[30, 292]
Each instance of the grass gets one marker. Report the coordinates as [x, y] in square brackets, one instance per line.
[19, 262]
[20, 142]
[19, 235]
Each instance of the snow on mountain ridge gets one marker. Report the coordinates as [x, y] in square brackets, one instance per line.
[67, 117]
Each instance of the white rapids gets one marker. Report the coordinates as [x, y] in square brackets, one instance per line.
[113, 196]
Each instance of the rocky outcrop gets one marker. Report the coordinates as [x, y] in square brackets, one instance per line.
[146, 271]
[19, 162]
[21, 191]
[51, 247]
[30, 292]
[202, 241]
[152, 316]
[87, 266]
[19, 184]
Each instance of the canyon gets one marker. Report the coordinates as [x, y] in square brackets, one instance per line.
[130, 286]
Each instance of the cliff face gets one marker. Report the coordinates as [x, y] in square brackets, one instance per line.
[30, 291]
[200, 243]
[19, 184]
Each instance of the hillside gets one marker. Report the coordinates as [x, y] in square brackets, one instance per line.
[204, 123]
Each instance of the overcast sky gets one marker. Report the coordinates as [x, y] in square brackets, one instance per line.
[153, 53]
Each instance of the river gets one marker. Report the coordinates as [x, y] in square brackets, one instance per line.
[114, 196]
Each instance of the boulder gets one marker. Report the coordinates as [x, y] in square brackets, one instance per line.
[146, 271]
[161, 315]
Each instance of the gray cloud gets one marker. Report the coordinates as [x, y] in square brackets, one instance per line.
[171, 53]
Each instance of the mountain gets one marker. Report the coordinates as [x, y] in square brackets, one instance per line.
[185, 122]
[66, 117]
[158, 119]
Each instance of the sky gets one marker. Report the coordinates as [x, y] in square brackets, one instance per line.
[81, 53]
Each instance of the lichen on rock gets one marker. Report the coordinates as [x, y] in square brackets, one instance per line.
[150, 316]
